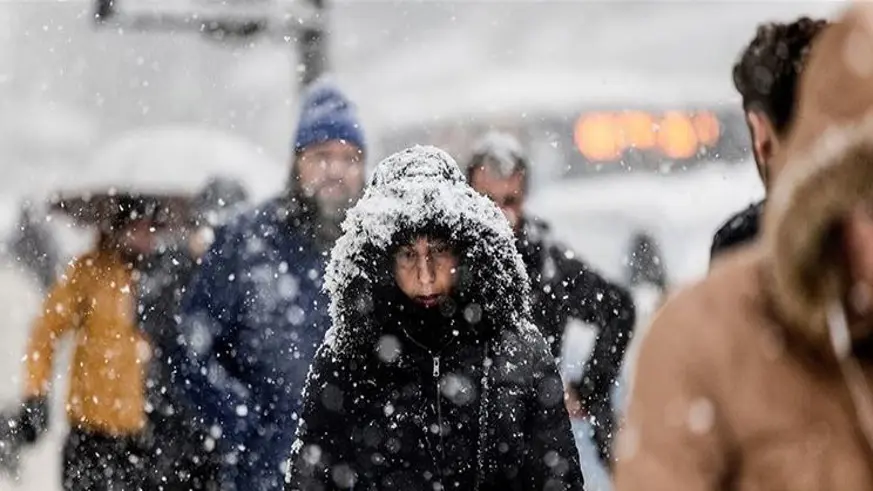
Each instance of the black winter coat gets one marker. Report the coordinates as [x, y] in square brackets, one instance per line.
[402, 398]
[564, 288]
[740, 229]
[178, 456]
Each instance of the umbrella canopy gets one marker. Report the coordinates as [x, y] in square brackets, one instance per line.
[171, 210]
[165, 165]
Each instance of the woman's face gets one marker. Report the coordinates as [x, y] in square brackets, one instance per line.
[425, 269]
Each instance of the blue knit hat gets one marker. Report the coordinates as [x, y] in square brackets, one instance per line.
[327, 115]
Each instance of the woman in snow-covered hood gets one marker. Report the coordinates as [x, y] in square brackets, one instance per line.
[432, 376]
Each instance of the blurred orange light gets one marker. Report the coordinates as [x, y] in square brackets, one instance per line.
[605, 136]
[676, 136]
[598, 137]
[638, 129]
[707, 128]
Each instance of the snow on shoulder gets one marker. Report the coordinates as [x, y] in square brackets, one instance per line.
[418, 189]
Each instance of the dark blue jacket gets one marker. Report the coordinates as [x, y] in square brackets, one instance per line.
[252, 320]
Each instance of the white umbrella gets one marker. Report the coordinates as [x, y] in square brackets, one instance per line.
[177, 160]
[168, 162]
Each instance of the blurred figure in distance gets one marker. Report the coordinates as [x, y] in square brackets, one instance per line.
[562, 285]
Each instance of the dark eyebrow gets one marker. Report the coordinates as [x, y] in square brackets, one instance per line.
[441, 244]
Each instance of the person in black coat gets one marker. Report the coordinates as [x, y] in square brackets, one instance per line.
[432, 376]
[563, 287]
[779, 51]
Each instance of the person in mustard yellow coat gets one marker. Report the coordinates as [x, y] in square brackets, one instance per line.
[95, 303]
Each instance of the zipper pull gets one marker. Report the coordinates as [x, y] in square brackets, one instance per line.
[436, 366]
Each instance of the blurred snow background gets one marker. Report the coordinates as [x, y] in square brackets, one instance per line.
[68, 89]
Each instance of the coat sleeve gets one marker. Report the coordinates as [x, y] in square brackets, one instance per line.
[210, 315]
[593, 299]
[321, 458]
[674, 436]
[61, 312]
[552, 458]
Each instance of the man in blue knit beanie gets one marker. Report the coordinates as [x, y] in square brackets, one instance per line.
[328, 172]
[255, 314]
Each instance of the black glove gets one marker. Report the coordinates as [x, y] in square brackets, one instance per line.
[33, 419]
[10, 444]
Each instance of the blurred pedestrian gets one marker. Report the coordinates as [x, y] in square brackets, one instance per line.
[433, 376]
[766, 76]
[95, 303]
[758, 376]
[181, 454]
[645, 265]
[563, 287]
[255, 312]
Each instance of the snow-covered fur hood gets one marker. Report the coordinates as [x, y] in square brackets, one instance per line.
[422, 188]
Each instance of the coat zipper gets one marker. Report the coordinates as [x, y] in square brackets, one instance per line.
[439, 409]
[483, 419]
[439, 405]
[483, 411]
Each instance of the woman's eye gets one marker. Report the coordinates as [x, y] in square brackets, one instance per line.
[404, 255]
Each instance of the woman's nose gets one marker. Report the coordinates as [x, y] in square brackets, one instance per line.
[425, 270]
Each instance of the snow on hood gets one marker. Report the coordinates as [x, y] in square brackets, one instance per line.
[421, 188]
